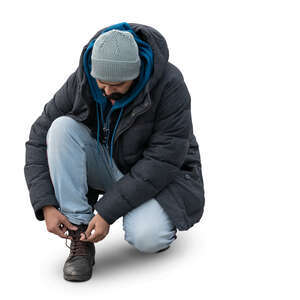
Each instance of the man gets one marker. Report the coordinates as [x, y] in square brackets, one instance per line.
[120, 127]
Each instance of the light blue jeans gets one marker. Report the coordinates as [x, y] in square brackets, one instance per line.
[75, 162]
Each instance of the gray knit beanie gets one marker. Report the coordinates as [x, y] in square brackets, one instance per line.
[115, 56]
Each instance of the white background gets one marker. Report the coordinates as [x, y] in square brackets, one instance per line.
[240, 61]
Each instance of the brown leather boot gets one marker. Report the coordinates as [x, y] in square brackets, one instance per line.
[79, 264]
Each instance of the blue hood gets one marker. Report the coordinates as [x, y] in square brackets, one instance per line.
[146, 55]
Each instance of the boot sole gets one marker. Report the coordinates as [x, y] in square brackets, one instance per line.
[77, 277]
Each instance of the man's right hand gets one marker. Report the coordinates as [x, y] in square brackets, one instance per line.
[56, 222]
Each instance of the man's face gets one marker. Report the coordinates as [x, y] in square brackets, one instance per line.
[114, 90]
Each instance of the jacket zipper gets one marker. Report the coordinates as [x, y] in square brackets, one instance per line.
[106, 132]
[134, 115]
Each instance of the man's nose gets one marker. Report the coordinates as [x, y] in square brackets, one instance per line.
[109, 90]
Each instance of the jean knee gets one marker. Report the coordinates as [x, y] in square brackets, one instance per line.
[149, 240]
[59, 128]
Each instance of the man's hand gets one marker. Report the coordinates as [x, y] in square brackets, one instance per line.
[100, 227]
[56, 222]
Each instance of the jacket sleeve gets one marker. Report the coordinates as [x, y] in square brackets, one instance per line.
[36, 170]
[162, 158]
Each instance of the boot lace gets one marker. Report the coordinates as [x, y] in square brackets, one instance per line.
[77, 247]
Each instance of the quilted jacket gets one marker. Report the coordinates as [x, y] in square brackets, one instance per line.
[154, 144]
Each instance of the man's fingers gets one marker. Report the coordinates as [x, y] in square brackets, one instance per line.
[100, 238]
[89, 230]
[90, 238]
[89, 235]
[66, 222]
[64, 229]
[59, 232]
[96, 237]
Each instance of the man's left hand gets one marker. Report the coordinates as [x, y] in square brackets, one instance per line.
[100, 227]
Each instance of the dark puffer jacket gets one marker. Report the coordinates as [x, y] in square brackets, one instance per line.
[154, 145]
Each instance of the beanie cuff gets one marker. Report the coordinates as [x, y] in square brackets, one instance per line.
[107, 70]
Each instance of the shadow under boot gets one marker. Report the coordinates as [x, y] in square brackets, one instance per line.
[79, 264]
